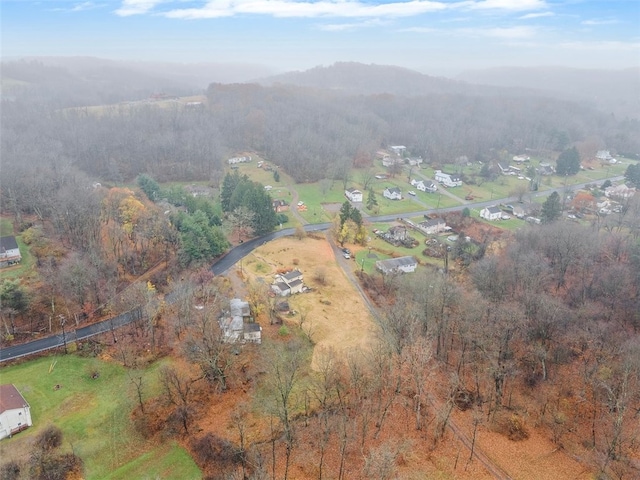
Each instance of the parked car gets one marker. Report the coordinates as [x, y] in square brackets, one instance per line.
[411, 192]
[300, 203]
[346, 250]
[346, 255]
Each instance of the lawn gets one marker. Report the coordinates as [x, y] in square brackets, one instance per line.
[93, 414]
[26, 267]
[166, 461]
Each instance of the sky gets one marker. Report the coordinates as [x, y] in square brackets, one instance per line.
[440, 37]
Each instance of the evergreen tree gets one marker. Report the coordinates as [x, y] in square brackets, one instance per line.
[632, 175]
[568, 162]
[551, 208]
[229, 184]
[345, 212]
[372, 201]
[276, 175]
[149, 186]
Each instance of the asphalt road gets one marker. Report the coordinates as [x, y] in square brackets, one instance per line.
[56, 341]
[224, 263]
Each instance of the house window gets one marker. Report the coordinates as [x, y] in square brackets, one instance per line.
[19, 413]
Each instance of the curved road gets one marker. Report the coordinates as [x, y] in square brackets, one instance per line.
[227, 261]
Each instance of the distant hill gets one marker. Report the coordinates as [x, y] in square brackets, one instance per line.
[95, 81]
[611, 91]
[360, 79]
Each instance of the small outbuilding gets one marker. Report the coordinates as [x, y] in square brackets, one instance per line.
[15, 413]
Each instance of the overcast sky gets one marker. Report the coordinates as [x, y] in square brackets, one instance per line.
[436, 37]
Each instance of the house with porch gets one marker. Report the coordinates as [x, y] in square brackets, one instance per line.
[15, 412]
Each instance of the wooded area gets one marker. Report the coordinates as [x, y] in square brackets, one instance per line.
[540, 332]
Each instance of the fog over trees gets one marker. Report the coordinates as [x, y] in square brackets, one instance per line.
[537, 330]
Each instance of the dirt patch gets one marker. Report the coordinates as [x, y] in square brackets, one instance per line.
[335, 315]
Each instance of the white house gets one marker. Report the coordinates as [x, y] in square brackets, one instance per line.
[398, 149]
[353, 195]
[238, 325]
[605, 157]
[521, 158]
[433, 226]
[288, 283]
[392, 193]
[9, 251]
[424, 185]
[397, 265]
[15, 413]
[448, 179]
[414, 161]
[388, 161]
[491, 213]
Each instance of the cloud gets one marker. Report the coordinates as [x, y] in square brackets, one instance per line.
[505, 33]
[536, 15]
[599, 22]
[319, 8]
[602, 46]
[137, 7]
[343, 27]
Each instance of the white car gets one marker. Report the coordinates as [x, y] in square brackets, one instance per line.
[268, 187]
[300, 203]
[346, 255]
[411, 192]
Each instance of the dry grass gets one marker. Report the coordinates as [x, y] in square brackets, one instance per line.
[336, 316]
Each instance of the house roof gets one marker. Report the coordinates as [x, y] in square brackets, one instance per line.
[295, 283]
[292, 275]
[393, 190]
[10, 398]
[433, 222]
[353, 190]
[493, 210]
[283, 287]
[392, 263]
[252, 327]
[239, 308]
[8, 243]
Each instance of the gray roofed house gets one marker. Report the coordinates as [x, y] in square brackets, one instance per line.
[491, 213]
[434, 225]
[238, 325]
[392, 193]
[397, 265]
[288, 283]
[9, 251]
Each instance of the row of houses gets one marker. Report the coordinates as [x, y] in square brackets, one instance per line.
[355, 195]
[236, 160]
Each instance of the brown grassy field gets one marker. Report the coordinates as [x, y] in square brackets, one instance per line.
[336, 316]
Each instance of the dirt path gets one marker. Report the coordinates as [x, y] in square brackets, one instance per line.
[294, 206]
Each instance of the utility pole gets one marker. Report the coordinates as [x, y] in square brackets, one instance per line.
[64, 335]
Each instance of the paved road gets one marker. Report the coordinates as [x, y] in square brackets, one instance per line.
[56, 341]
[227, 261]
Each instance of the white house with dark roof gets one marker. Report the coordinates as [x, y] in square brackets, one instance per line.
[9, 251]
[15, 412]
[433, 226]
[448, 179]
[288, 283]
[353, 194]
[424, 185]
[604, 156]
[397, 265]
[491, 213]
[392, 193]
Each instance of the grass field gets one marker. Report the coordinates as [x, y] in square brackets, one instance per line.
[93, 414]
